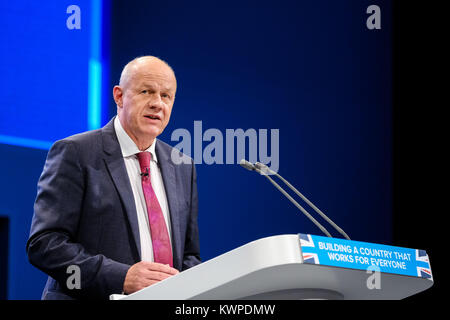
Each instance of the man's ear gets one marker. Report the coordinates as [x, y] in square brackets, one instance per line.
[118, 96]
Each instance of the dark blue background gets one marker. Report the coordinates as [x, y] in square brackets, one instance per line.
[310, 69]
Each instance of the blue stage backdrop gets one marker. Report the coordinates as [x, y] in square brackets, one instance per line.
[310, 71]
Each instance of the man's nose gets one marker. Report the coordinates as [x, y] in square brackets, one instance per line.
[156, 102]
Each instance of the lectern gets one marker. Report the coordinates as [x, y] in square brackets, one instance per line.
[299, 266]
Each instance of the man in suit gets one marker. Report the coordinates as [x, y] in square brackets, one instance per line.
[112, 202]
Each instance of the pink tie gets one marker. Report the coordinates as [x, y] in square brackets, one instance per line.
[162, 251]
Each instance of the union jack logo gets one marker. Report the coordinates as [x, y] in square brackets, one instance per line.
[306, 240]
[311, 258]
[421, 255]
[424, 273]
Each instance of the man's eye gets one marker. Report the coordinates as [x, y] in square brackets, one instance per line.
[144, 91]
[165, 95]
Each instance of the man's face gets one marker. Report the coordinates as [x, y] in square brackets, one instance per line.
[145, 100]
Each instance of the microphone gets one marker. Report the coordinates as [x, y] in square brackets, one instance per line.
[247, 165]
[145, 174]
[250, 166]
[265, 168]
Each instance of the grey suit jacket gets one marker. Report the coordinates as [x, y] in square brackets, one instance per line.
[84, 215]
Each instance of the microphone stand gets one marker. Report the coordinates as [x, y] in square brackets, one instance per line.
[262, 167]
[249, 166]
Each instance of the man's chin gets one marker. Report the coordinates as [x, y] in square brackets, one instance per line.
[152, 134]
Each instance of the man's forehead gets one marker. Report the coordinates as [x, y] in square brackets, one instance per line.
[152, 79]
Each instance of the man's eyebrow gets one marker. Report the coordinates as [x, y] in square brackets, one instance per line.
[145, 84]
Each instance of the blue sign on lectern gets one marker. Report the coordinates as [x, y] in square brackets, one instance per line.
[363, 255]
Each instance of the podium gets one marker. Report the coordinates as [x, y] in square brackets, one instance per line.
[299, 266]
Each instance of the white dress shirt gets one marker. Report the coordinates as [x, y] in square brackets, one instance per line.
[129, 151]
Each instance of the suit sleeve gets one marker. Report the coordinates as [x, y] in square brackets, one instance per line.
[192, 246]
[52, 245]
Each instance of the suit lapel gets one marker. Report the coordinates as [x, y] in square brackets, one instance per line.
[116, 166]
[170, 185]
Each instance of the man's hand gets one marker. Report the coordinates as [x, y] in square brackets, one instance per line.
[144, 274]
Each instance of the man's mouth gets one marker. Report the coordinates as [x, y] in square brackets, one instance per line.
[152, 116]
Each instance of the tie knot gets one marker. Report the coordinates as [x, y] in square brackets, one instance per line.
[144, 160]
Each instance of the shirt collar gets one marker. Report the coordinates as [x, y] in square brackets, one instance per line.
[127, 145]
